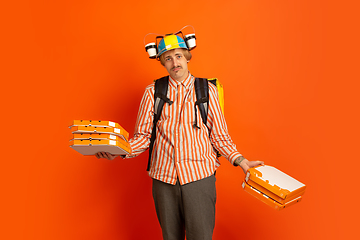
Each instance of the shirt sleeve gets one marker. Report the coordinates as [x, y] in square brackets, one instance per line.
[144, 123]
[219, 135]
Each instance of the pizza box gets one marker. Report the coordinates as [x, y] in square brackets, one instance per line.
[103, 124]
[91, 147]
[91, 136]
[95, 129]
[266, 199]
[274, 184]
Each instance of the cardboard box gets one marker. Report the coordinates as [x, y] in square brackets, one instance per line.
[103, 125]
[273, 187]
[91, 147]
[91, 136]
[94, 129]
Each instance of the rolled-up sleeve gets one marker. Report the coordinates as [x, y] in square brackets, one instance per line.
[142, 134]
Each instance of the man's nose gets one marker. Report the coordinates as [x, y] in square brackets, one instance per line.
[175, 61]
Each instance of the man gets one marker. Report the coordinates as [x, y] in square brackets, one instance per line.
[183, 161]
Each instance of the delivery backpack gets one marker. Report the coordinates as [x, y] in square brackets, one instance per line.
[202, 101]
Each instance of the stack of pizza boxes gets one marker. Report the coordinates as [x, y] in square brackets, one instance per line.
[90, 137]
[273, 187]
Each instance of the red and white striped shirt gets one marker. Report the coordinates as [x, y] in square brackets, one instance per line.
[180, 150]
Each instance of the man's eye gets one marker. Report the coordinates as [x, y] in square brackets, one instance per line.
[167, 59]
[178, 56]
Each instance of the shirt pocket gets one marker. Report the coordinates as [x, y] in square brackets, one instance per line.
[188, 113]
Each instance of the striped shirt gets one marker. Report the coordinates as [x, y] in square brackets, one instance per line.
[180, 150]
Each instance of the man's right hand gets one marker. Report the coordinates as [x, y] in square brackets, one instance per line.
[106, 155]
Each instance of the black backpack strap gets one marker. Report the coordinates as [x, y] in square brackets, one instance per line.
[160, 97]
[202, 99]
[202, 96]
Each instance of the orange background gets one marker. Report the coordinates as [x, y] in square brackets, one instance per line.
[289, 70]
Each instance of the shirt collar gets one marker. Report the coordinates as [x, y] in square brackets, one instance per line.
[186, 82]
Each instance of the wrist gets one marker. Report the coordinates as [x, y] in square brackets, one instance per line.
[239, 160]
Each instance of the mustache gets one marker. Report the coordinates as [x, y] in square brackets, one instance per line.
[176, 67]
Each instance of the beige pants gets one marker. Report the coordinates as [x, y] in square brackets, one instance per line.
[188, 208]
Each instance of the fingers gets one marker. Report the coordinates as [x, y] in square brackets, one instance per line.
[261, 163]
[257, 163]
[105, 155]
[101, 155]
[250, 164]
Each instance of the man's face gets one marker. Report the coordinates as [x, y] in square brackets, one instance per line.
[176, 64]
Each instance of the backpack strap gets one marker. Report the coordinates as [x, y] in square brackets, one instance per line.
[202, 96]
[202, 99]
[160, 97]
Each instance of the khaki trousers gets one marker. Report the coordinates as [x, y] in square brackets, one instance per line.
[188, 208]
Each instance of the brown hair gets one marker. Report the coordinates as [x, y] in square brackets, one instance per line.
[187, 55]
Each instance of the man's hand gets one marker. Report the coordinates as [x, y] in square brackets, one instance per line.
[246, 164]
[106, 155]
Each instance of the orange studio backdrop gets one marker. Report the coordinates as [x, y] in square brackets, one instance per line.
[291, 100]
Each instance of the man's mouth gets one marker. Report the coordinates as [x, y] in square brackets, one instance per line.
[176, 68]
